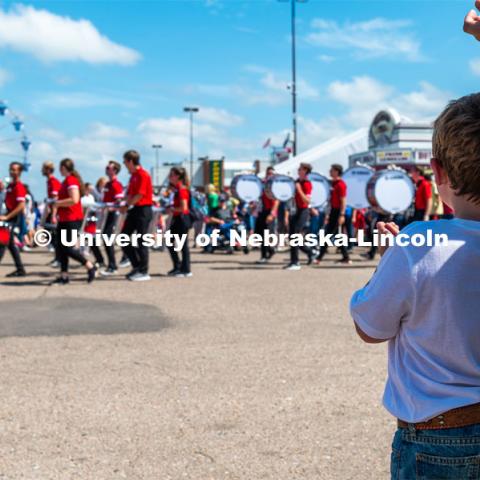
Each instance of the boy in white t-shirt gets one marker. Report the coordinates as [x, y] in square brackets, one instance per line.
[425, 301]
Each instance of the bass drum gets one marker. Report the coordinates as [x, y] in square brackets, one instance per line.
[390, 191]
[357, 179]
[320, 190]
[246, 187]
[280, 187]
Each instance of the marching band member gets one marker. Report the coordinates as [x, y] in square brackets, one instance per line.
[338, 205]
[180, 220]
[298, 221]
[112, 192]
[266, 218]
[53, 187]
[139, 215]
[15, 204]
[70, 216]
[423, 196]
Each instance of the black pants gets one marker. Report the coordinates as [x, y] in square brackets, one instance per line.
[180, 225]
[297, 225]
[12, 248]
[379, 217]
[63, 252]
[260, 226]
[53, 232]
[418, 216]
[332, 228]
[137, 221]
[108, 229]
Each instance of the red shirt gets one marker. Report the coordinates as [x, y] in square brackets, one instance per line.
[53, 187]
[423, 194]
[307, 190]
[447, 210]
[73, 213]
[267, 201]
[141, 184]
[113, 191]
[338, 192]
[181, 193]
[16, 193]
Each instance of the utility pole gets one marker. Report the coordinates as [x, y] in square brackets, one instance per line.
[294, 73]
[191, 111]
[156, 147]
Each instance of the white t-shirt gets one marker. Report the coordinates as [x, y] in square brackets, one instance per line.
[426, 300]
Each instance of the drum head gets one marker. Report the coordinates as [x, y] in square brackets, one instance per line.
[320, 190]
[281, 187]
[247, 188]
[394, 191]
[357, 179]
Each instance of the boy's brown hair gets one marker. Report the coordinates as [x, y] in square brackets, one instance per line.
[116, 166]
[307, 167]
[456, 145]
[132, 156]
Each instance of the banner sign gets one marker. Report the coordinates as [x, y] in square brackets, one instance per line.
[394, 156]
[215, 173]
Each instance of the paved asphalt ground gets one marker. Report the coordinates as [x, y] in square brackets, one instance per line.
[241, 372]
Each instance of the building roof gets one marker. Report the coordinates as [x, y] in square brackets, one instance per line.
[336, 150]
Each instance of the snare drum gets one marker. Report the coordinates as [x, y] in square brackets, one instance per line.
[94, 219]
[246, 187]
[280, 187]
[156, 215]
[320, 190]
[357, 179]
[5, 233]
[390, 191]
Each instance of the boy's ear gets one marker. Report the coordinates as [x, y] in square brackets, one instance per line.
[441, 177]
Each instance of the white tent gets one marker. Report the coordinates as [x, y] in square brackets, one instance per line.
[336, 150]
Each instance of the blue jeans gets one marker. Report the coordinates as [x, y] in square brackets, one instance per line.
[224, 229]
[452, 453]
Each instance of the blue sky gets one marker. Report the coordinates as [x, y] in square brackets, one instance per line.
[93, 78]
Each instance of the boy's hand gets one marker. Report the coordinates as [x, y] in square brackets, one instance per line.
[471, 23]
[385, 229]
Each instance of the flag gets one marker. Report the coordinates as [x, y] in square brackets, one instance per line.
[267, 143]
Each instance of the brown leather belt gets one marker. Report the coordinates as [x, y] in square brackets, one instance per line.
[456, 418]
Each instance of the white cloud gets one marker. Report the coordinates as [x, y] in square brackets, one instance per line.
[423, 104]
[373, 38]
[82, 100]
[475, 66]
[274, 82]
[326, 58]
[5, 76]
[219, 116]
[360, 91]
[364, 96]
[102, 130]
[313, 132]
[249, 96]
[173, 133]
[88, 149]
[212, 135]
[270, 88]
[52, 38]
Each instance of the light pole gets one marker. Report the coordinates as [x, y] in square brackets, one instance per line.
[156, 147]
[191, 111]
[294, 74]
